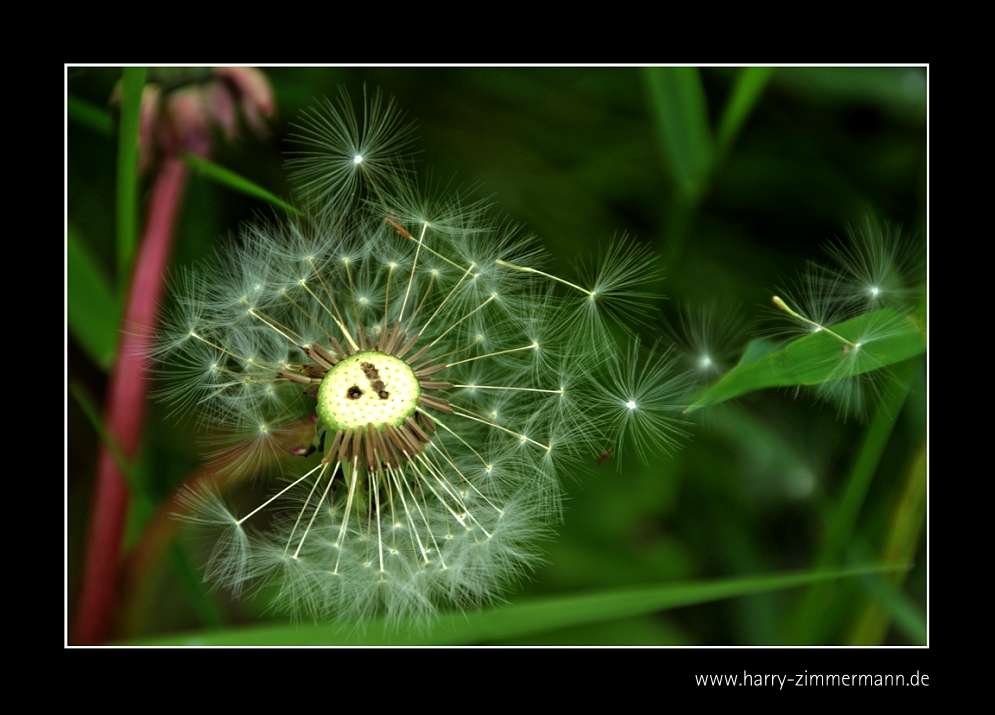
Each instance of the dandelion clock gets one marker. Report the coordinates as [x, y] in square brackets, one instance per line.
[443, 379]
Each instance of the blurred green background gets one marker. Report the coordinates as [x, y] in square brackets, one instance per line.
[737, 178]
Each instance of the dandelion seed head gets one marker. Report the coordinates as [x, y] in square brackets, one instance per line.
[434, 373]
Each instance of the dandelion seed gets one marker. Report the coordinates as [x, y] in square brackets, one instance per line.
[344, 152]
[875, 270]
[707, 339]
[643, 397]
[878, 267]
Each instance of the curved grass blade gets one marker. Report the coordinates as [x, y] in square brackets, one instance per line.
[682, 119]
[750, 84]
[885, 338]
[234, 181]
[519, 619]
[93, 310]
[89, 115]
[132, 82]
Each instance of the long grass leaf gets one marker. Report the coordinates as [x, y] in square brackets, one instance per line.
[234, 181]
[682, 120]
[132, 83]
[524, 618]
[92, 414]
[902, 541]
[94, 313]
[89, 115]
[885, 338]
[810, 625]
[750, 84]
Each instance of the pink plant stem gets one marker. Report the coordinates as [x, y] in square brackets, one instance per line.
[125, 407]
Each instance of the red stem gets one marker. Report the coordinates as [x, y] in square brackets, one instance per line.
[125, 407]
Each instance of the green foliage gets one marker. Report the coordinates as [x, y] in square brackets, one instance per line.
[682, 114]
[94, 315]
[526, 618]
[884, 337]
[127, 177]
[237, 183]
[748, 89]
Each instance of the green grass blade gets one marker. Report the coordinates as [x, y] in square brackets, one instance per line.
[810, 625]
[682, 119]
[142, 506]
[234, 181]
[94, 314]
[750, 84]
[127, 162]
[519, 619]
[92, 414]
[891, 604]
[89, 115]
[885, 338]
